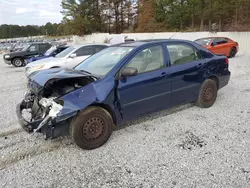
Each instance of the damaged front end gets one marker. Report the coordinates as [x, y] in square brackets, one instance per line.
[43, 103]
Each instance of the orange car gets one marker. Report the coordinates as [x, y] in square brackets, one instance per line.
[220, 45]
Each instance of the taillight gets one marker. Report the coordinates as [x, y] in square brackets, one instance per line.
[227, 61]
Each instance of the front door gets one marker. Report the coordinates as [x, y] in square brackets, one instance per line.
[150, 89]
[186, 72]
[32, 51]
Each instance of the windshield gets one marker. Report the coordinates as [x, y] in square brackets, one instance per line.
[49, 51]
[102, 62]
[204, 42]
[65, 52]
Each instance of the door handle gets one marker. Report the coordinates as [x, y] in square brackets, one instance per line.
[200, 65]
[164, 74]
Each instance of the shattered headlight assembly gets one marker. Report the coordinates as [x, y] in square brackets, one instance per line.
[54, 109]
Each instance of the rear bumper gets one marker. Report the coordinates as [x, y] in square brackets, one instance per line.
[224, 79]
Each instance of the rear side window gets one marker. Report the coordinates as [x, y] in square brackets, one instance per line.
[44, 47]
[84, 51]
[218, 41]
[182, 53]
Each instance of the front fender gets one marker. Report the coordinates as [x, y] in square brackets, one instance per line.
[80, 99]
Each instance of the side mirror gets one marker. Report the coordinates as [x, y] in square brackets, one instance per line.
[72, 55]
[213, 44]
[129, 71]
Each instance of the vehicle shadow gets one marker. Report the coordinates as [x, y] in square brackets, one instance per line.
[154, 116]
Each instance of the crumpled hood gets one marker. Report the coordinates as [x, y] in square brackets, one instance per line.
[42, 77]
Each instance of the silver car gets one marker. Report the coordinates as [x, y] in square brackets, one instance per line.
[68, 58]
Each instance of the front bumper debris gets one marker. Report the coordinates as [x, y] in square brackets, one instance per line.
[47, 124]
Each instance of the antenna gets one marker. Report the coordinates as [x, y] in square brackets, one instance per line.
[172, 36]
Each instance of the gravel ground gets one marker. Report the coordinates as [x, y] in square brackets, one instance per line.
[183, 147]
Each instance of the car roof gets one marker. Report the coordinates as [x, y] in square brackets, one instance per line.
[211, 38]
[149, 41]
[89, 44]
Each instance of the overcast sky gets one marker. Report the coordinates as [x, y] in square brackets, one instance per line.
[32, 12]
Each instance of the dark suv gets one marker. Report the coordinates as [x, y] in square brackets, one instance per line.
[18, 59]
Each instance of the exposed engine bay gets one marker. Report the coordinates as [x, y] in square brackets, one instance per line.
[57, 88]
[45, 105]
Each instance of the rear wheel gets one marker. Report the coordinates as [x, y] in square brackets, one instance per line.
[233, 52]
[208, 94]
[18, 62]
[91, 128]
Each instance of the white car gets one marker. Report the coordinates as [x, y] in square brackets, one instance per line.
[68, 58]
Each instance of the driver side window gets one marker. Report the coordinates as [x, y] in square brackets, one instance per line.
[148, 59]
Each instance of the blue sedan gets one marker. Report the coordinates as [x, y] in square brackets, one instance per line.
[121, 83]
[52, 52]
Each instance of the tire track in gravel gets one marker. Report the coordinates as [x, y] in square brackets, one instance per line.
[17, 154]
[11, 132]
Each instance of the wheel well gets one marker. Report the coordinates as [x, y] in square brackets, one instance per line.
[109, 109]
[215, 79]
[17, 58]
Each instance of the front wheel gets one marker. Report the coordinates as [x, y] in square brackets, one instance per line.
[17, 62]
[91, 128]
[208, 94]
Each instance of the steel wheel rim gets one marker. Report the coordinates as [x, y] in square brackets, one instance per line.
[93, 129]
[208, 94]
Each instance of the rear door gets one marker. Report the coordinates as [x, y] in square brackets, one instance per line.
[81, 54]
[185, 72]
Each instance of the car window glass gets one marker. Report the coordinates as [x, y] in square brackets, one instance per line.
[218, 41]
[33, 48]
[65, 52]
[103, 62]
[99, 48]
[181, 54]
[86, 50]
[148, 59]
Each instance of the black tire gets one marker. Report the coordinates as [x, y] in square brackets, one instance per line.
[91, 128]
[208, 94]
[17, 62]
[233, 52]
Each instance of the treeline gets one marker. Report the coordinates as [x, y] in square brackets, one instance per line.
[82, 17]
[88, 16]
[193, 15]
[14, 31]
